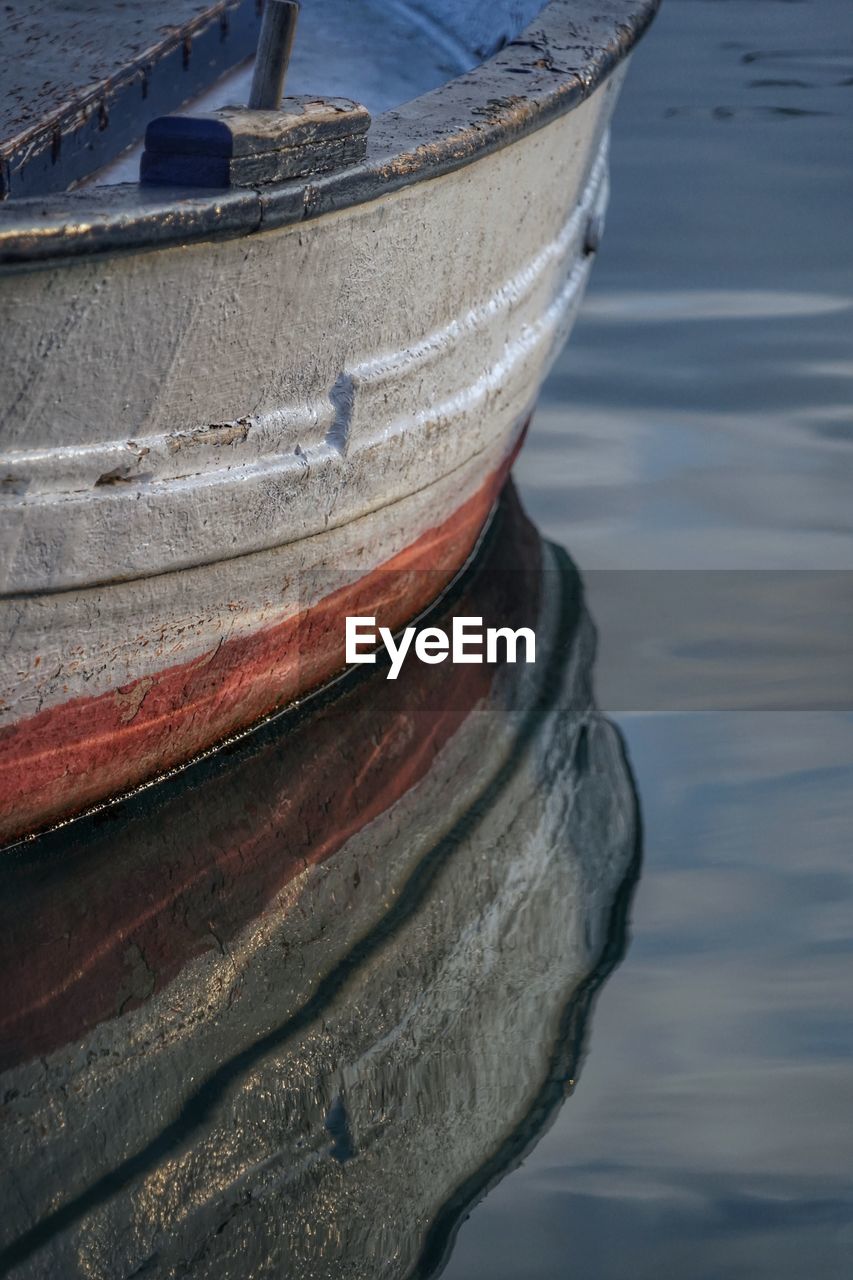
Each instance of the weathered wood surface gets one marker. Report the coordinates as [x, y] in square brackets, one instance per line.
[259, 170]
[242, 394]
[165, 586]
[79, 81]
[236, 133]
[267, 449]
[206, 448]
[243, 148]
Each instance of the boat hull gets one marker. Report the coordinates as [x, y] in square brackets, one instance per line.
[213, 452]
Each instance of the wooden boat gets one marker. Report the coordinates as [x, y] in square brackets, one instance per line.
[232, 416]
[269, 1026]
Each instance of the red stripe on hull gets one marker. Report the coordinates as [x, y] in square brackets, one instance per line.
[69, 757]
[120, 914]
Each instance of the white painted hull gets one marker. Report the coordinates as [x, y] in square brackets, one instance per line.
[201, 443]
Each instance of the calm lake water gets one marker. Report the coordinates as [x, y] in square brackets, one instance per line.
[700, 420]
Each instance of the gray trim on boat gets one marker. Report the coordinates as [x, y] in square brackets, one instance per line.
[546, 71]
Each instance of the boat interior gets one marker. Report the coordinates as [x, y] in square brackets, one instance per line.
[378, 52]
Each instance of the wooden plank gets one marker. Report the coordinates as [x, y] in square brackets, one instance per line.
[238, 132]
[239, 147]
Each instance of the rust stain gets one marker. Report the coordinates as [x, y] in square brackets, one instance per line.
[129, 699]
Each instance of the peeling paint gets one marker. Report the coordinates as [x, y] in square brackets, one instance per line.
[217, 434]
[129, 700]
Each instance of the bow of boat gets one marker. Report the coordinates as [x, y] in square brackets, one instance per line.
[234, 416]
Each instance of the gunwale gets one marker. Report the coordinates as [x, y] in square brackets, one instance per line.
[552, 66]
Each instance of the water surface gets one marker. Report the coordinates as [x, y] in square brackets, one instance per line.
[700, 419]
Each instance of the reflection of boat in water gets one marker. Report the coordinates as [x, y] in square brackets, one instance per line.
[291, 1011]
[230, 409]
